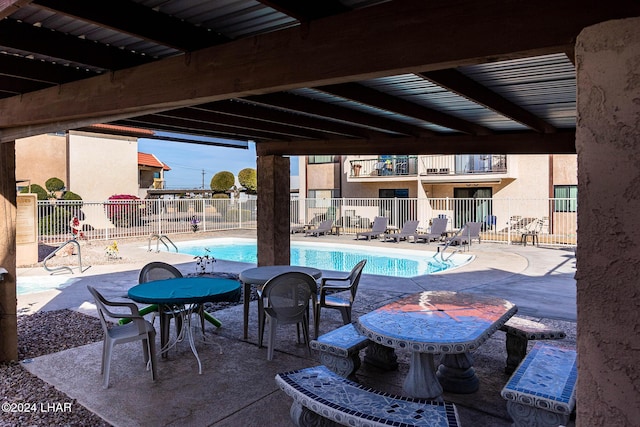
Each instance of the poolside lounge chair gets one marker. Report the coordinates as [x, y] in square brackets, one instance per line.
[378, 228]
[438, 227]
[470, 231]
[323, 228]
[408, 230]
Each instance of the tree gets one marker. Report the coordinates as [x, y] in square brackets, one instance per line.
[36, 189]
[248, 178]
[222, 182]
[54, 185]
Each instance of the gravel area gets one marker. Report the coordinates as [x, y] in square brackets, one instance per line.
[29, 401]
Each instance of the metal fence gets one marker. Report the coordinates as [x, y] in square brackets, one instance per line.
[503, 220]
[118, 219]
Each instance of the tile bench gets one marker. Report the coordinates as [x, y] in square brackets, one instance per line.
[519, 331]
[340, 349]
[322, 397]
[541, 391]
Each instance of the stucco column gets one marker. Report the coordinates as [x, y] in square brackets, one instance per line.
[8, 302]
[274, 246]
[608, 254]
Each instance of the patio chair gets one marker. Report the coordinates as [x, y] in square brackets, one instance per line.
[438, 227]
[470, 231]
[138, 329]
[158, 270]
[328, 298]
[378, 228]
[323, 228]
[408, 230]
[285, 299]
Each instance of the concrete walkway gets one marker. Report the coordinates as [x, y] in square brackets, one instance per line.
[237, 386]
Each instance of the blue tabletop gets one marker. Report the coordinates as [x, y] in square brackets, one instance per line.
[186, 290]
[436, 321]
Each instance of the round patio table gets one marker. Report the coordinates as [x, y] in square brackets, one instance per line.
[258, 276]
[183, 291]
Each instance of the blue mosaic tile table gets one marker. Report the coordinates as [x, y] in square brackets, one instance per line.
[437, 322]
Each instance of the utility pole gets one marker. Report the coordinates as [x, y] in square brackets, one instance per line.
[203, 179]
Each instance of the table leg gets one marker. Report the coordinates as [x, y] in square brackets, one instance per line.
[246, 293]
[456, 373]
[422, 381]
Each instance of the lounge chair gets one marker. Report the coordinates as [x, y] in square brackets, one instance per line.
[378, 228]
[408, 230]
[297, 228]
[323, 228]
[438, 227]
[470, 231]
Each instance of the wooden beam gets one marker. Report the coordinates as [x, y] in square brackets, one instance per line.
[524, 143]
[8, 7]
[457, 82]
[374, 98]
[286, 59]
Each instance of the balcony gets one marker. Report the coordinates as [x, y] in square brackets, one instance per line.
[438, 168]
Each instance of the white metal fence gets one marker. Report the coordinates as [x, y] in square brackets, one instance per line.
[504, 220]
[118, 219]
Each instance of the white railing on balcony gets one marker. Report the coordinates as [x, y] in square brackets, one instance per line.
[504, 220]
[463, 164]
[384, 166]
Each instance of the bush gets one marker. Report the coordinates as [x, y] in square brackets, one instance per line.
[122, 209]
[38, 190]
[57, 221]
[232, 214]
[54, 184]
[222, 182]
[248, 178]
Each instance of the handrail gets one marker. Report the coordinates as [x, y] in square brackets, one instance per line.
[441, 252]
[161, 238]
[65, 267]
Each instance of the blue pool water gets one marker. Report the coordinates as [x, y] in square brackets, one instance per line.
[381, 261]
[31, 284]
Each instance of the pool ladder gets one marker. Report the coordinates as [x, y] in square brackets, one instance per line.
[448, 244]
[65, 267]
[161, 238]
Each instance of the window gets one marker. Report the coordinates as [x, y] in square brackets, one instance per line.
[314, 160]
[566, 198]
[390, 193]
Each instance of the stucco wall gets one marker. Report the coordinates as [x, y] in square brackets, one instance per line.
[102, 166]
[41, 157]
[608, 253]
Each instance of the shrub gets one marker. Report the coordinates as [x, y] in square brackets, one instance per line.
[248, 178]
[222, 182]
[122, 209]
[38, 190]
[232, 214]
[54, 184]
[57, 220]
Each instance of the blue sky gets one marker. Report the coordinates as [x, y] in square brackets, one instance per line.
[188, 161]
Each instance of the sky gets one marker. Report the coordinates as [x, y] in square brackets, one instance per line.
[188, 161]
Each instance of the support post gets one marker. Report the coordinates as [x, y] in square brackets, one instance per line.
[274, 246]
[8, 301]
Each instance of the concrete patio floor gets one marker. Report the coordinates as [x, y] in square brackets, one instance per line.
[237, 387]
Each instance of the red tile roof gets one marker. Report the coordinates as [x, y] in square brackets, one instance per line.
[145, 159]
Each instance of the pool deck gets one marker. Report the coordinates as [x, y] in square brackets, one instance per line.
[237, 387]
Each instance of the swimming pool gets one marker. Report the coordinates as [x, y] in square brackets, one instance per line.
[32, 284]
[330, 256]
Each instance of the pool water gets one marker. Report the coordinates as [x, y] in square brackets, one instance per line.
[337, 257]
[32, 284]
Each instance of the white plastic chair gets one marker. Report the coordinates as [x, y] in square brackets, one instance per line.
[328, 299]
[285, 299]
[138, 329]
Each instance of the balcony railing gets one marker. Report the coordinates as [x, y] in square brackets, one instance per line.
[394, 166]
[385, 166]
